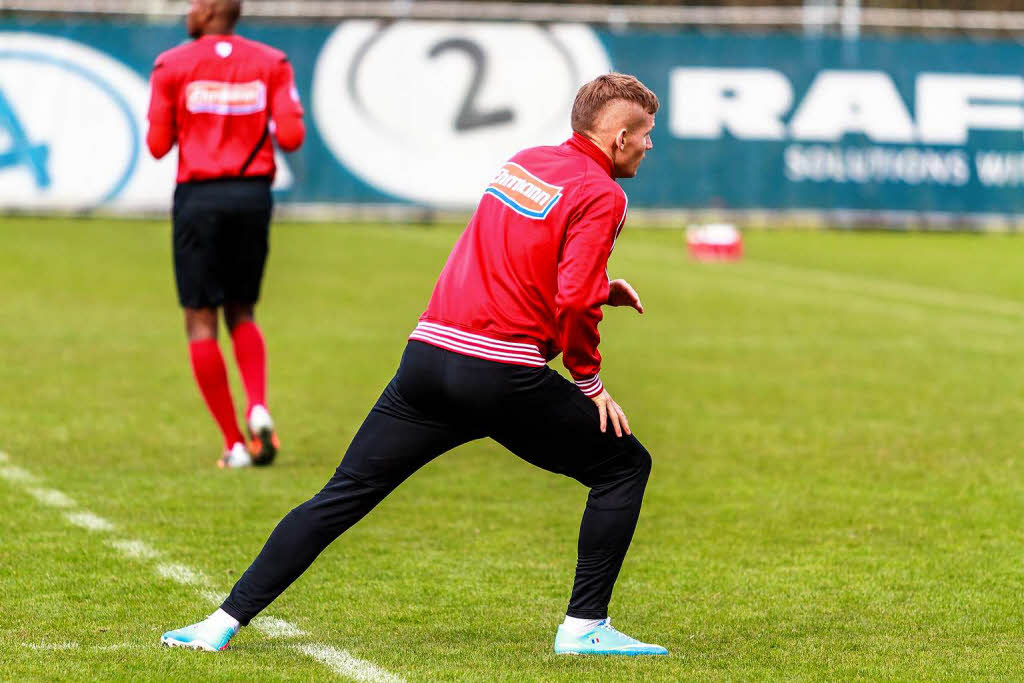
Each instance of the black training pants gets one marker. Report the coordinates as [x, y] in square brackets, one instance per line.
[437, 401]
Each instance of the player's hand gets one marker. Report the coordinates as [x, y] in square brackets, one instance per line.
[610, 411]
[621, 293]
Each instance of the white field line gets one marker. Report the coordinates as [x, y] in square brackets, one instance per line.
[16, 475]
[904, 291]
[951, 325]
[339, 661]
[344, 664]
[72, 645]
[277, 628]
[134, 549]
[66, 645]
[89, 521]
[51, 497]
[179, 573]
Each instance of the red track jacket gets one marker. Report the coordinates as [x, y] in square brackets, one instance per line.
[527, 279]
[216, 97]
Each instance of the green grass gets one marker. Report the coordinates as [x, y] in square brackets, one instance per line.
[836, 425]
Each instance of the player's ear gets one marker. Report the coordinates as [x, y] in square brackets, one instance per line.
[620, 139]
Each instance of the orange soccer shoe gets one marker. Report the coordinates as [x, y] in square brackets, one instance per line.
[263, 444]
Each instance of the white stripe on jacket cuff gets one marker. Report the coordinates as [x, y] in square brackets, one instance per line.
[590, 386]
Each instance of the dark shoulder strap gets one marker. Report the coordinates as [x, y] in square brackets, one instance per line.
[255, 150]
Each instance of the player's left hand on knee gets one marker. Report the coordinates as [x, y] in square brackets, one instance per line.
[621, 293]
[610, 411]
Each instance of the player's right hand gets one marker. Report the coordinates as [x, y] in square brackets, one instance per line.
[609, 410]
[621, 293]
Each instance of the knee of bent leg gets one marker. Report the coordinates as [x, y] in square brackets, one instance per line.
[623, 481]
[641, 458]
[638, 460]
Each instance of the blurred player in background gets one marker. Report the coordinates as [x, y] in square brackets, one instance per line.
[221, 98]
[525, 282]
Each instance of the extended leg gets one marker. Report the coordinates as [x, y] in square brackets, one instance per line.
[394, 441]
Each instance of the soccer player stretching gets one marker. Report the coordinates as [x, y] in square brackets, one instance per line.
[220, 97]
[525, 281]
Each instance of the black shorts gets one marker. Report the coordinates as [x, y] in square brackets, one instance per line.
[221, 239]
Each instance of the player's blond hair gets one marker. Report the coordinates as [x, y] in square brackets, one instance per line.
[595, 95]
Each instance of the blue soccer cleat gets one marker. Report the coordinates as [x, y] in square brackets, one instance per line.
[206, 635]
[603, 639]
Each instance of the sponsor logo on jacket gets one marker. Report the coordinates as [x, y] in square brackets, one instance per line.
[217, 97]
[524, 192]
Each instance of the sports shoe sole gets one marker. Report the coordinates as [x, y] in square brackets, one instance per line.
[195, 645]
[222, 464]
[611, 653]
[264, 447]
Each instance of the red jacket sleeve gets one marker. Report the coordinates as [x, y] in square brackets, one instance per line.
[162, 105]
[285, 108]
[583, 285]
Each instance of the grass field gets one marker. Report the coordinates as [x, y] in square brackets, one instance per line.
[836, 425]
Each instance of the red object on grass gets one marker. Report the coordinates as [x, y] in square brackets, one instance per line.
[714, 242]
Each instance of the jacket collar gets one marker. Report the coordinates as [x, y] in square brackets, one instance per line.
[583, 144]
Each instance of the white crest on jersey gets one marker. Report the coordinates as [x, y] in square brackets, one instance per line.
[223, 48]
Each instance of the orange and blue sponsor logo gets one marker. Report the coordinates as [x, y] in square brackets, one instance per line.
[523, 192]
[218, 97]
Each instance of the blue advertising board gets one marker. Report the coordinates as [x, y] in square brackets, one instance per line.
[423, 113]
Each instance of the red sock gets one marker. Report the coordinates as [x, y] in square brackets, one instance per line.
[251, 354]
[212, 378]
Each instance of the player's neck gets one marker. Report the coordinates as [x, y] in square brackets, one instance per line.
[217, 30]
[598, 152]
[597, 143]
